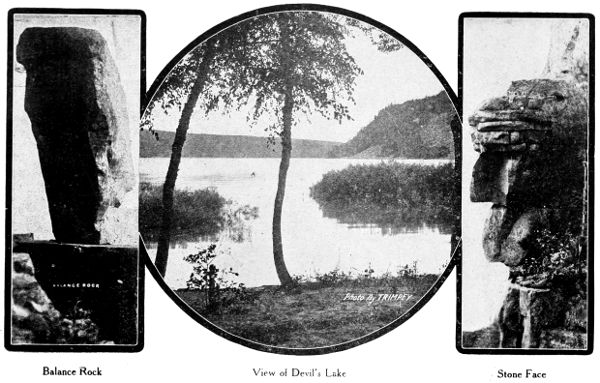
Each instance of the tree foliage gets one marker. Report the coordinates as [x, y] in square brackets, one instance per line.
[283, 65]
[244, 66]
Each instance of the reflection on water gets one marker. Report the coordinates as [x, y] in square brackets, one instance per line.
[235, 226]
[314, 240]
[389, 221]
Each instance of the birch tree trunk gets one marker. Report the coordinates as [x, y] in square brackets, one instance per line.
[162, 252]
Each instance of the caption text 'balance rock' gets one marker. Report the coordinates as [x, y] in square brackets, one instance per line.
[76, 105]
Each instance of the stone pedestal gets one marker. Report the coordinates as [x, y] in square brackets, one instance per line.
[98, 279]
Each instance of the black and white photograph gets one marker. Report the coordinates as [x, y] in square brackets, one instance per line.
[297, 180]
[525, 272]
[73, 268]
[267, 191]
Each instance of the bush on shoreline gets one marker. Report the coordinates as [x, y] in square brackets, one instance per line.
[198, 212]
[389, 194]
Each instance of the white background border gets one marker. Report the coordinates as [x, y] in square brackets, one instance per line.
[178, 349]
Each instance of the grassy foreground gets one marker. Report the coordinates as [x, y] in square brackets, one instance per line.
[322, 313]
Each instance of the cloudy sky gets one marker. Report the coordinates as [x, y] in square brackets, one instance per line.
[388, 78]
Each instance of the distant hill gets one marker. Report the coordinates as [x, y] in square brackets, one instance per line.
[215, 145]
[414, 129]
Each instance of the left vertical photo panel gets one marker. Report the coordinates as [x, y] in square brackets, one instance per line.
[74, 278]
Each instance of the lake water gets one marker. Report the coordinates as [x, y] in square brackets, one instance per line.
[312, 243]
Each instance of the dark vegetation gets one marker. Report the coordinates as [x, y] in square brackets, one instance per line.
[414, 129]
[78, 328]
[224, 146]
[395, 196]
[555, 260]
[316, 313]
[198, 213]
[558, 261]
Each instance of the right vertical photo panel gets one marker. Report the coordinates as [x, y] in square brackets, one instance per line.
[525, 279]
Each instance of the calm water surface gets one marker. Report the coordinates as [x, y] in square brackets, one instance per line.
[312, 243]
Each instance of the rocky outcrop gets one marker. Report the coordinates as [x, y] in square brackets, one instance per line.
[34, 317]
[533, 168]
[76, 105]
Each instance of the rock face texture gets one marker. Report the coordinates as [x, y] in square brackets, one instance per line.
[532, 143]
[34, 317]
[533, 167]
[76, 105]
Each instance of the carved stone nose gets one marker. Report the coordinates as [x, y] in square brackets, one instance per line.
[493, 174]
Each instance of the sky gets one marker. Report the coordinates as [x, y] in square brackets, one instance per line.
[389, 78]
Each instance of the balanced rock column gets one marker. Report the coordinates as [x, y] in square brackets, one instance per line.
[78, 114]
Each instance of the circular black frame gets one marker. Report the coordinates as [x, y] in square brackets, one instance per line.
[455, 252]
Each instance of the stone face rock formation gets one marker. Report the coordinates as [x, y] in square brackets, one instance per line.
[76, 105]
[531, 153]
[532, 167]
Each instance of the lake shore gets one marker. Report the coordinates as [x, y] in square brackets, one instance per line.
[349, 246]
[315, 314]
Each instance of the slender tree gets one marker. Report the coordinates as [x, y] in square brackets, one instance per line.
[198, 81]
[302, 67]
[182, 90]
[191, 85]
[286, 65]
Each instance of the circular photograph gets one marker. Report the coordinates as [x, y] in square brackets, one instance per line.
[299, 188]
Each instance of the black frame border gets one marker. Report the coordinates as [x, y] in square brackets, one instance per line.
[591, 157]
[8, 208]
[455, 252]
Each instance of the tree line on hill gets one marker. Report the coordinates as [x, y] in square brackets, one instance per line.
[414, 129]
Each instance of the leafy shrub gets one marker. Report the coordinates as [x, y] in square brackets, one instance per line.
[77, 327]
[215, 284]
[368, 272]
[299, 278]
[333, 278]
[409, 271]
[407, 274]
[554, 259]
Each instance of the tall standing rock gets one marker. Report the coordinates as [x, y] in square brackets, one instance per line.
[77, 109]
